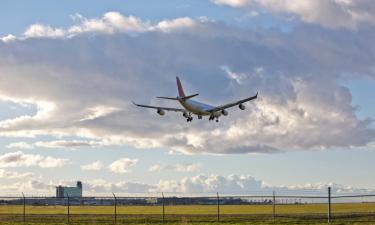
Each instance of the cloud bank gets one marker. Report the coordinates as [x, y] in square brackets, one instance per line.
[333, 14]
[198, 185]
[109, 23]
[87, 75]
[20, 159]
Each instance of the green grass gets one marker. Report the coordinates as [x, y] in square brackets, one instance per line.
[349, 213]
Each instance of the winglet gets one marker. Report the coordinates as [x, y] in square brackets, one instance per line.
[135, 103]
[179, 87]
[254, 97]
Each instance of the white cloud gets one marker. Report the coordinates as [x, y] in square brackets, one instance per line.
[40, 30]
[105, 187]
[244, 184]
[69, 144]
[233, 3]
[19, 159]
[29, 187]
[211, 184]
[238, 77]
[20, 145]
[95, 166]
[156, 168]
[187, 186]
[328, 13]
[98, 112]
[45, 109]
[109, 23]
[14, 175]
[188, 167]
[122, 165]
[8, 38]
[172, 25]
[181, 167]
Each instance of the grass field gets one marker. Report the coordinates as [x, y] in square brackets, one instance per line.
[194, 209]
[348, 213]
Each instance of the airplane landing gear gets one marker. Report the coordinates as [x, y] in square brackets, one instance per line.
[189, 118]
[212, 117]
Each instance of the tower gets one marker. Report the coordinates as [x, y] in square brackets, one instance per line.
[79, 185]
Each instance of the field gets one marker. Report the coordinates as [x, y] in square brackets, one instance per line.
[194, 209]
[343, 213]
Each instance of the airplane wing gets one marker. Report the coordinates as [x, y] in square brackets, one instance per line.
[232, 104]
[158, 107]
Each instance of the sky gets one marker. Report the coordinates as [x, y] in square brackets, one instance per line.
[69, 72]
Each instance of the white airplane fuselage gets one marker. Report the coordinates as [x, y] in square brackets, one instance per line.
[198, 108]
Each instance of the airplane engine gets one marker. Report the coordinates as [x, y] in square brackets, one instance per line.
[242, 107]
[224, 112]
[185, 114]
[161, 112]
[216, 114]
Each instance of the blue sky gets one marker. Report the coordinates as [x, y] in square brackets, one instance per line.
[67, 82]
[58, 13]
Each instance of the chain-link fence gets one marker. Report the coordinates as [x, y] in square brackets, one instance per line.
[115, 209]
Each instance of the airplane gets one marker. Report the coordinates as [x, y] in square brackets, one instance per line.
[197, 108]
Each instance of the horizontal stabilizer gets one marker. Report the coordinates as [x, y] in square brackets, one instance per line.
[160, 108]
[178, 98]
[169, 98]
[190, 96]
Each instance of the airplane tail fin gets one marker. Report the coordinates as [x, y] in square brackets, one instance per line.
[179, 87]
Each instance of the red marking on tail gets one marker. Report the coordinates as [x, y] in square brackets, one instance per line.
[179, 87]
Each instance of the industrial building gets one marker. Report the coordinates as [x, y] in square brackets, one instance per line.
[71, 192]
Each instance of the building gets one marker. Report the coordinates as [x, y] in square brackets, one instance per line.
[72, 192]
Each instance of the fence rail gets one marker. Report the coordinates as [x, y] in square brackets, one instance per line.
[220, 208]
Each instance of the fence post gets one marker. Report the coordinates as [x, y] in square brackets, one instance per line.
[114, 196]
[163, 206]
[24, 208]
[329, 204]
[68, 209]
[218, 207]
[274, 206]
